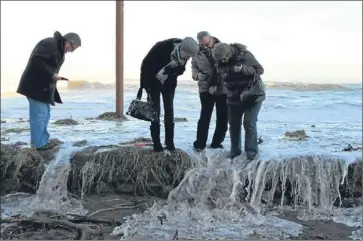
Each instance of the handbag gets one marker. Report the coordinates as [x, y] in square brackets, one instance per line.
[254, 89]
[142, 110]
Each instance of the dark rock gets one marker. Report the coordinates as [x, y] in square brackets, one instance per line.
[20, 143]
[350, 148]
[299, 134]
[66, 122]
[180, 119]
[80, 143]
[111, 116]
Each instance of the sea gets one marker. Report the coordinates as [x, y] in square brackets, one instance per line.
[330, 114]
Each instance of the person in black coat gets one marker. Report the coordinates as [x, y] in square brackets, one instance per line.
[160, 69]
[241, 73]
[38, 83]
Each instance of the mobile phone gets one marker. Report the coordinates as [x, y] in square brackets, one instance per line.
[62, 78]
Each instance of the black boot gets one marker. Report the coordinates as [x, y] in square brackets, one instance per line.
[216, 146]
[169, 136]
[155, 136]
[197, 146]
[235, 136]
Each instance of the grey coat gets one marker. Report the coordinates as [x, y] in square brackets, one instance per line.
[203, 63]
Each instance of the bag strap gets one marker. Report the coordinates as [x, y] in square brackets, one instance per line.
[139, 94]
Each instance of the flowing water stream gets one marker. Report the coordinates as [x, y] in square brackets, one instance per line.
[215, 201]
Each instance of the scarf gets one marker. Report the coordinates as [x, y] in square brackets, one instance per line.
[175, 55]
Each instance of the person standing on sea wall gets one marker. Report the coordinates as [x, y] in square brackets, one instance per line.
[160, 68]
[211, 93]
[38, 83]
[241, 73]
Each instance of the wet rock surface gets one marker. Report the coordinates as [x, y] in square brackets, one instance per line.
[66, 122]
[298, 135]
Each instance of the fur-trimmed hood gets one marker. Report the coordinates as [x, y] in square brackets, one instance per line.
[240, 47]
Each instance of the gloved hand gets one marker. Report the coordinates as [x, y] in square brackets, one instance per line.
[201, 76]
[224, 74]
[237, 68]
[161, 76]
[179, 70]
[212, 89]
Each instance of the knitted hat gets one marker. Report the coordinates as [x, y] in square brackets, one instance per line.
[202, 34]
[190, 46]
[73, 38]
[222, 51]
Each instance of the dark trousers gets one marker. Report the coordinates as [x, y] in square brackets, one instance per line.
[168, 101]
[208, 101]
[250, 116]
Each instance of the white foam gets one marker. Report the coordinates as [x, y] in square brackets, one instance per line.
[52, 193]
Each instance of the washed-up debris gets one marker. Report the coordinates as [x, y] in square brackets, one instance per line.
[350, 148]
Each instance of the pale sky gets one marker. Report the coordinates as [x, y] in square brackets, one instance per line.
[294, 41]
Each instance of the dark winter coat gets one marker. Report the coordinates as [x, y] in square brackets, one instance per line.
[45, 60]
[157, 58]
[204, 63]
[234, 82]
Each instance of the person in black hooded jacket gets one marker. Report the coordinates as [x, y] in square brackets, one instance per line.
[241, 73]
[38, 83]
[160, 68]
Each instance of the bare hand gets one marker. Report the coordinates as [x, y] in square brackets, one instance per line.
[161, 76]
[212, 89]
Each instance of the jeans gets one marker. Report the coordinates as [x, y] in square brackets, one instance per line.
[207, 102]
[39, 115]
[235, 113]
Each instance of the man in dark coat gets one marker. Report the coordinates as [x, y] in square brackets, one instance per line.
[245, 93]
[160, 68]
[38, 83]
[211, 92]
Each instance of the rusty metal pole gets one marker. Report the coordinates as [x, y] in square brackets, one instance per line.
[119, 58]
